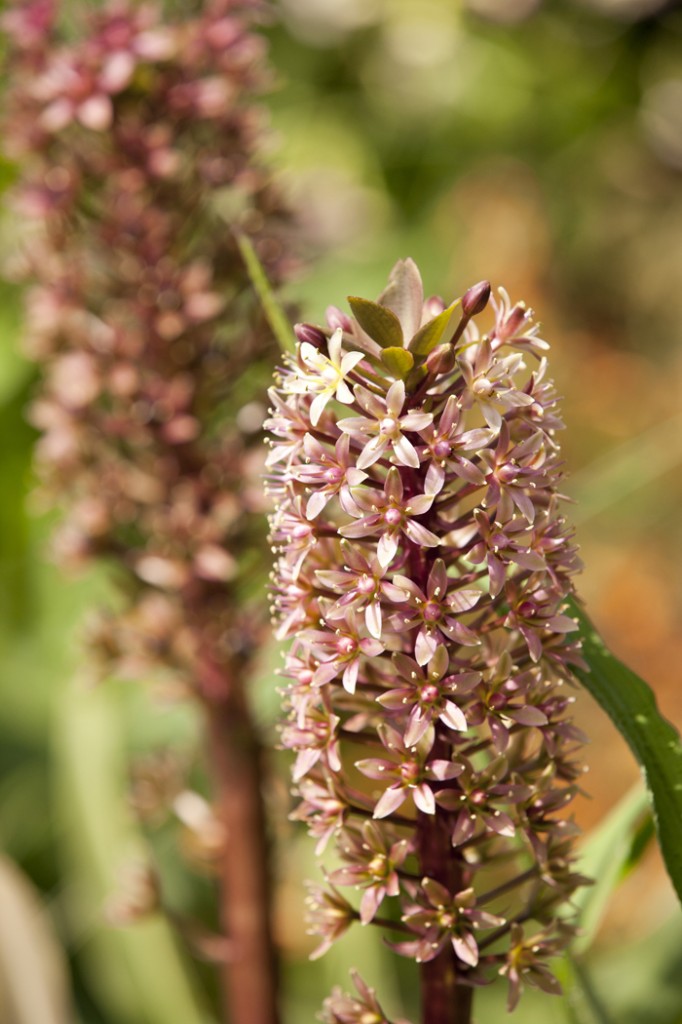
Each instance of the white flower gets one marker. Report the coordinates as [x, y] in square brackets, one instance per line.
[324, 376]
[387, 424]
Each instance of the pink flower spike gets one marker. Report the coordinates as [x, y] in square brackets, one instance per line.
[427, 607]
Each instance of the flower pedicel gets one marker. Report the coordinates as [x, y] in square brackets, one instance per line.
[423, 564]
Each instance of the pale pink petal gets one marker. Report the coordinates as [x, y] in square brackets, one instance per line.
[334, 346]
[316, 502]
[405, 453]
[395, 593]
[500, 823]
[491, 416]
[305, 760]
[463, 600]
[344, 393]
[363, 528]
[419, 504]
[417, 725]
[416, 421]
[423, 798]
[325, 672]
[350, 676]
[333, 759]
[407, 588]
[435, 478]
[386, 549]
[533, 641]
[517, 399]
[369, 402]
[453, 717]
[562, 624]
[524, 504]
[371, 648]
[356, 425]
[373, 619]
[317, 407]
[354, 476]
[443, 770]
[389, 802]
[465, 826]
[420, 535]
[372, 452]
[309, 354]
[425, 646]
[373, 767]
[395, 399]
[438, 579]
[526, 715]
[530, 560]
[350, 361]
[393, 486]
[369, 904]
[466, 948]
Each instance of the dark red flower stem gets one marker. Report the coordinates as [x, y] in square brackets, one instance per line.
[249, 976]
[445, 1000]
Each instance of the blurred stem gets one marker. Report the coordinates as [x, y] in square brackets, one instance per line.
[248, 976]
[593, 1007]
[274, 313]
[445, 1000]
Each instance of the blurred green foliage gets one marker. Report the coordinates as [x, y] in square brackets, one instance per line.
[537, 144]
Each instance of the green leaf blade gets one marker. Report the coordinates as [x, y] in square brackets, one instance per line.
[380, 323]
[631, 705]
[431, 334]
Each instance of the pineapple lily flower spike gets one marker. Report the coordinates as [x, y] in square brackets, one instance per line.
[423, 568]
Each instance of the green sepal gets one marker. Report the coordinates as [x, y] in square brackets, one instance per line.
[398, 361]
[431, 334]
[380, 323]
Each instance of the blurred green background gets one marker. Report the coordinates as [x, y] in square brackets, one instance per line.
[535, 144]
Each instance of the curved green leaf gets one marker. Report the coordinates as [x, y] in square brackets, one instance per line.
[380, 323]
[431, 334]
[631, 705]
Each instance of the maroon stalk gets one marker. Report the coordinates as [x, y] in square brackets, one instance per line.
[249, 978]
[445, 999]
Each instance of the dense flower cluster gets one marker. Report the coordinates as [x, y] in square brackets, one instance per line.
[139, 144]
[423, 564]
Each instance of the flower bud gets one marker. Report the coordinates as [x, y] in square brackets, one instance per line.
[476, 298]
[311, 334]
[441, 360]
